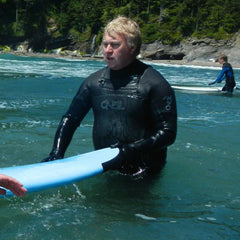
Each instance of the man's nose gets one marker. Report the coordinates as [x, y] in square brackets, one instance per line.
[109, 48]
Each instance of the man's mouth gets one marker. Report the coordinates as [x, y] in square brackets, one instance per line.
[109, 57]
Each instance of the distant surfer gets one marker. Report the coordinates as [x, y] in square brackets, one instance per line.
[227, 73]
[12, 184]
[134, 106]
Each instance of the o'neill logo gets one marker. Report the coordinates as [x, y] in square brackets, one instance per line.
[113, 104]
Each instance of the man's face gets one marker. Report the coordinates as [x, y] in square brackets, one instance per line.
[117, 54]
[221, 61]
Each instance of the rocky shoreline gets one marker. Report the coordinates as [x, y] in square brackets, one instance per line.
[159, 61]
[199, 52]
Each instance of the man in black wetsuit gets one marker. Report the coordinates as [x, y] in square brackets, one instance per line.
[134, 106]
[227, 73]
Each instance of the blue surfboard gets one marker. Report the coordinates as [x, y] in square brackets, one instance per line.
[40, 176]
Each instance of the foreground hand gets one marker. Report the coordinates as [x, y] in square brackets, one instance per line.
[11, 184]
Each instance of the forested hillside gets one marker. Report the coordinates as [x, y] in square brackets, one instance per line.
[166, 20]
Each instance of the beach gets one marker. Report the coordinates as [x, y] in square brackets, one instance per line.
[71, 55]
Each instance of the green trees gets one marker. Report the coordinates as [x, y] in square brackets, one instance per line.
[168, 21]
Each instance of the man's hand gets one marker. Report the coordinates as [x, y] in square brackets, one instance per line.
[211, 83]
[12, 184]
[126, 153]
[52, 157]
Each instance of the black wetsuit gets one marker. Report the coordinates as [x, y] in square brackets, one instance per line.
[227, 72]
[135, 105]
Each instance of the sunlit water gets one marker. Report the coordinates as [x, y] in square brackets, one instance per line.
[196, 197]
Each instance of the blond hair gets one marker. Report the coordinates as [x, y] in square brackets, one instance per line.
[128, 28]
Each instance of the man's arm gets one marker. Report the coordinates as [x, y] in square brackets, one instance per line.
[220, 77]
[164, 115]
[70, 121]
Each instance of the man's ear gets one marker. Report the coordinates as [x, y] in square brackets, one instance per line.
[132, 50]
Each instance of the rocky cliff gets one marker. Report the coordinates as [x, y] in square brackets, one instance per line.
[193, 49]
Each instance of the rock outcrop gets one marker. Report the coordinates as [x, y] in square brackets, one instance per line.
[193, 49]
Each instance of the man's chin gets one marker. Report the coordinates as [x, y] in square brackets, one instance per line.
[112, 65]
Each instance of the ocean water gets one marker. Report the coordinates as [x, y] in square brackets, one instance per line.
[196, 196]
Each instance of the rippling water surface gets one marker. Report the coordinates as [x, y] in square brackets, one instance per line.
[196, 196]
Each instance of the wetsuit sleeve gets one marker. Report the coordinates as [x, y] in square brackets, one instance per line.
[221, 76]
[163, 111]
[70, 121]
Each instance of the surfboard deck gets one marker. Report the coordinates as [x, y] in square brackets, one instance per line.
[206, 90]
[40, 176]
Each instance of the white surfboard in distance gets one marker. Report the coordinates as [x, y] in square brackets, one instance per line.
[40, 176]
[203, 90]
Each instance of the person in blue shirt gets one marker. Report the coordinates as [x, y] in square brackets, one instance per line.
[227, 73]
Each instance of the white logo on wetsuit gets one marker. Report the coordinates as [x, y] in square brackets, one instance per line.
[168, 100]
[114, 105]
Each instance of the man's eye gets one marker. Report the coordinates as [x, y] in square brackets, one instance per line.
[115, 45]
[112, 45]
